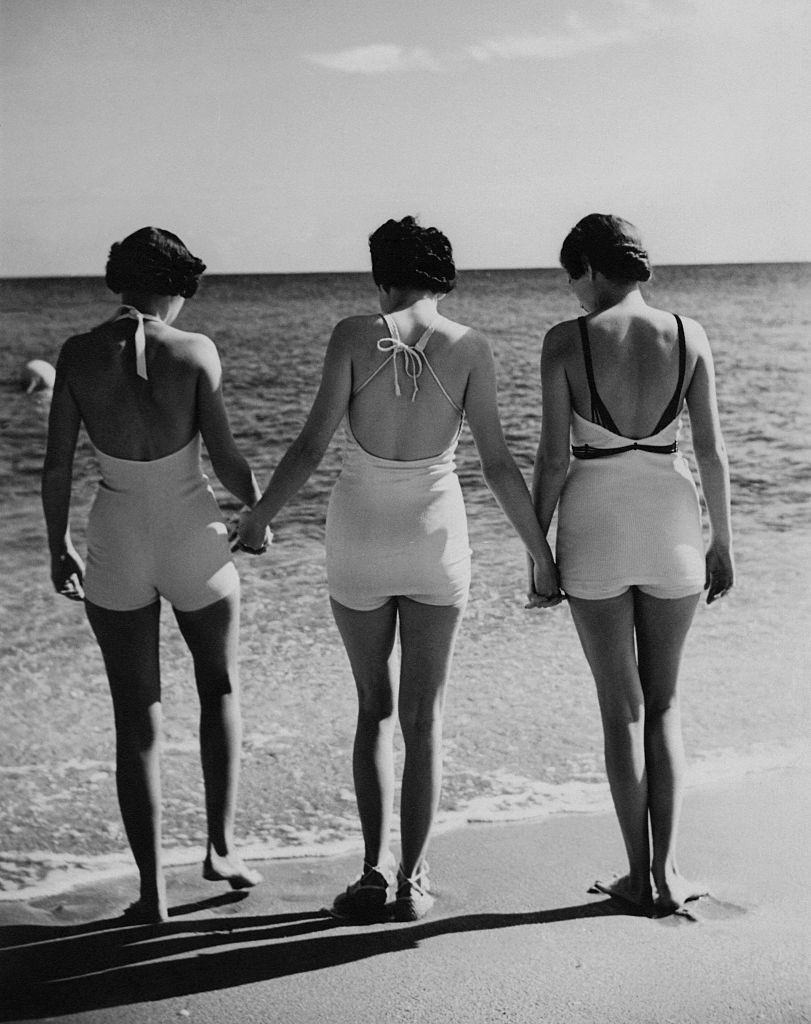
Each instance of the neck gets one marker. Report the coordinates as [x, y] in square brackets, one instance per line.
[160, 306]
[609, 295]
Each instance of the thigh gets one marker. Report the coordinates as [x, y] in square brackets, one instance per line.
[662, 625]
[212, 636]
[606, 632]
[427, 638]
[369, 641]
[129, 643]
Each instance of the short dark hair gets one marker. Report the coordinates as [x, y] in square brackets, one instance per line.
[607, 244]
[406, 255]
[153, 262]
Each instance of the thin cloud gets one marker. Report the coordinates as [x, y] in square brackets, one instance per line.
[551, 47]
[378, 59]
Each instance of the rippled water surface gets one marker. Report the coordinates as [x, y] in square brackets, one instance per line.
[522, 728]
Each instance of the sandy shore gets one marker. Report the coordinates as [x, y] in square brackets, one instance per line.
[514, 936]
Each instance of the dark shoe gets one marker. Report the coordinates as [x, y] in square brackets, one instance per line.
[366, 899]
[413, 900]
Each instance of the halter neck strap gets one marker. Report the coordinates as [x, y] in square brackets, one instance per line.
[412, 354]
[131, 313]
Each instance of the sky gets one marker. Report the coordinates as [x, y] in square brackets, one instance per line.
[275, 135]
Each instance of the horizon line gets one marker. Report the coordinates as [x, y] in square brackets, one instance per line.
[460, 270]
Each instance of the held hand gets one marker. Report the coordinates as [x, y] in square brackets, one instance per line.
[720, 572]
[545, 589]
[249, 536]
[67, 575]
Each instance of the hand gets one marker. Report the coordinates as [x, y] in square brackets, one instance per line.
[67, 574]
[720, 572]
[544, 591]
[249, 536]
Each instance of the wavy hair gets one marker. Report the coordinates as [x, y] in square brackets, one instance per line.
[152, 261]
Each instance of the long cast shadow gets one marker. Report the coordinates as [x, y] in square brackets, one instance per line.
[89, 967]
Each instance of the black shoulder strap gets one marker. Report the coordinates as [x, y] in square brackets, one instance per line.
[599, 414]
[673, 405]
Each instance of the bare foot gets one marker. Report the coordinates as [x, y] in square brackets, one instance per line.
[231, 869]
[146, 911]
[675, 891]
[627, 890]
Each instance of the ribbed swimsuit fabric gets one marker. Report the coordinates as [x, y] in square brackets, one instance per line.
[629, 512]
[155, 529]
[398, 528]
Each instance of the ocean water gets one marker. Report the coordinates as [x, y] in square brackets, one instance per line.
[522, 724]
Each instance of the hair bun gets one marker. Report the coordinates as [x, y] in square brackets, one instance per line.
[607, 244]
[153, 261]
[404, 254]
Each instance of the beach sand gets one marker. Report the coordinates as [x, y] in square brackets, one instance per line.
[514, 935]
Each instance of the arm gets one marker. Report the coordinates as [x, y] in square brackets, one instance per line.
[227, 461]
[500, 472]
[713, 468]
[67, 568]
[552, 458]
[304, 455]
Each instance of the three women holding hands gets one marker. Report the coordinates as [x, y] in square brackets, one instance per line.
[630, 555]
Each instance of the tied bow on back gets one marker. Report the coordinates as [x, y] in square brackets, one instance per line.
[412, 359]
[131, 313]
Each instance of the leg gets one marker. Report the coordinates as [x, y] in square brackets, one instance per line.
[212, 635]
[661, 629]
[129, 645]
[427, 637]
[369, 641]
[606, 631]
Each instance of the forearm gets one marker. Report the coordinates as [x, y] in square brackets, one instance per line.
[56, 488]
[296, 467]
[507, 484]
[235, 475]
[713, 469]
[547, 483]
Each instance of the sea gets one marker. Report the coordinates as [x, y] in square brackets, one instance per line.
[522, 724]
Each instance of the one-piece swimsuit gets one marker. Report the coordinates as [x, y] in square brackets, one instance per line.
[397, 528]
[155, 528]
[629, 513]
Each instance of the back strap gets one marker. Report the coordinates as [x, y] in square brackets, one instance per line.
[599, 414]
[585, 451]
[673, 406]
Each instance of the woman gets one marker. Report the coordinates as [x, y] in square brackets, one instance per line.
[396, 535]
[146, 393]
[629, 544]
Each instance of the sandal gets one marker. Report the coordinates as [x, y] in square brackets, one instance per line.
[367, 898]
[413, 899]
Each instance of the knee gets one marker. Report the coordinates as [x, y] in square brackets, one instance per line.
[657, 707]
[375, 706]
[621, 715]
[421, 724]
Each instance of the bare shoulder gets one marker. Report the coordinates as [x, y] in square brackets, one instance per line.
[695, 336]
[189, 347]
[560, 340]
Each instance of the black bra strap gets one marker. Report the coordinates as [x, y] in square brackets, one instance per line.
[599, 414]
[673, 406]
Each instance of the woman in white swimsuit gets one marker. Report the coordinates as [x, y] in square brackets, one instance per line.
[147, 393]
[397, 547]
[629, 544]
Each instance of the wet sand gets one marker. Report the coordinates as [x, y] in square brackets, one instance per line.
[514, 935]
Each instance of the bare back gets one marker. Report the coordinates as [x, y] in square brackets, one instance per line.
[635, 359]
[128, 417]
[411, 426]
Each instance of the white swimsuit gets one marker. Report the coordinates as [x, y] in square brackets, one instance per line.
[397, 528]
[629, 513]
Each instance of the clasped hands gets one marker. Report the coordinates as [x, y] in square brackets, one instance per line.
[247, 535]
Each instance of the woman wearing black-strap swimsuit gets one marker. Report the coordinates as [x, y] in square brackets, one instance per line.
[629, 544]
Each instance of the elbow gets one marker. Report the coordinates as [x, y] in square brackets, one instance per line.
[496, 471]
[552, 464]
[710, 455]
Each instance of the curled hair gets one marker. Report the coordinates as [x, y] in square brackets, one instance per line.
[152, 261]
[610, 245]
[405, 255]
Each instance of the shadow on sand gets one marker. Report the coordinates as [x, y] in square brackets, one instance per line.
[55, 970]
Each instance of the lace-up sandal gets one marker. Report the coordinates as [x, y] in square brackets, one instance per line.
[413, 899]
[366, 899]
